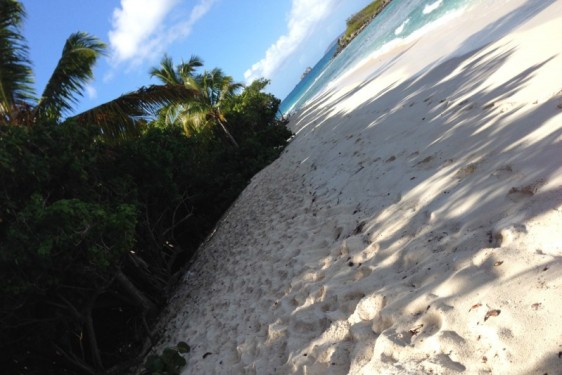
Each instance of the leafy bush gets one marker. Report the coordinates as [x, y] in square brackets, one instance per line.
[170, 362]
[93, 235]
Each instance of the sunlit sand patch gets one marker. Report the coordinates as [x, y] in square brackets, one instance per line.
[383, 244]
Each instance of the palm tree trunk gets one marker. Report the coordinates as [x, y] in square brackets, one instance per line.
[230, 137]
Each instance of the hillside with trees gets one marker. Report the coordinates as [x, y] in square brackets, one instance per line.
[101, 211]
[357, 22]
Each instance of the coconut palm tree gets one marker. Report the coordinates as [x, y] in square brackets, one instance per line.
[204, 108]
[19, 106]
[181, 75]
[213, 89]
[170, 75]
[16, 81]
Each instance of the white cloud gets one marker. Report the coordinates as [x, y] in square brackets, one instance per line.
[91, 92]
[304, 16]
[183, 29]
[134, 24]
[139, 30]
[199, 11]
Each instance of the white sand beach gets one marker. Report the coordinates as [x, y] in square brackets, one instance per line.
[412, 226]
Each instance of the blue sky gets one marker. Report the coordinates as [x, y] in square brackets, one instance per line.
[248, 39]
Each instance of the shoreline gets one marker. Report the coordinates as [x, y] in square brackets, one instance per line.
[410, 227]
[346, 42]
[350, 76]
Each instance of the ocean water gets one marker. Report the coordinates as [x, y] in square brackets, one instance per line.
[400, 20]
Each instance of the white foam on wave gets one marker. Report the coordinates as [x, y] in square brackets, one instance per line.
[400, 28]
[431, 7]
[315, 96]
[340, 80]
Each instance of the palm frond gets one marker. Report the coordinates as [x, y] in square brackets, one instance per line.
[186, 69]
[213, 88]
[71, 74]
[194, 118]
[119, 118]
[15, 68]
[194, 122]
[166, 73]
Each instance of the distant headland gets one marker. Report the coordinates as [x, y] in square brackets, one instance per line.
[360, 20]
[305, 73]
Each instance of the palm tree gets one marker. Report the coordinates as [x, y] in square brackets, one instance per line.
[181, 75]
[204, 108]
[73, 71]
[213, 89]
[16, 91]
[170, 75]
[123, 117]
[19, 106]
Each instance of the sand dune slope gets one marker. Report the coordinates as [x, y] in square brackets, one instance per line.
[412, 226]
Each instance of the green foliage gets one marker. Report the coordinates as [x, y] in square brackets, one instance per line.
[15, 68]
[73, 71]
[253, 107]
[69, 231]
[117, 119]
[93, 234]
[170, 362]
[62, 238]
[100, 213]
[359, 20]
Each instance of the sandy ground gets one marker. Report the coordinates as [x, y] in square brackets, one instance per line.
[412, 226]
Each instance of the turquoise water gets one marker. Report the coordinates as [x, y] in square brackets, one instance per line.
[400, 20]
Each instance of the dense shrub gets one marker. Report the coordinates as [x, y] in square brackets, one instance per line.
[93, 235]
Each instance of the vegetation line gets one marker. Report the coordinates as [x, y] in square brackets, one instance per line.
[358, 22]
[101, 212]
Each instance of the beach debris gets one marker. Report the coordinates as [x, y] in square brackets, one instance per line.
[491, 313]
[206, 355]
[414, 331]
[484, 359]
[474, 307]
[536, 306]
[498, 263]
